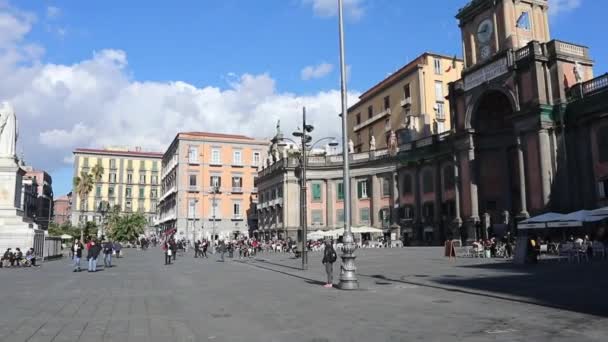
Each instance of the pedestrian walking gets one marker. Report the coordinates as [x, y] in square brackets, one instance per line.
[222, 250]
[92, 255]
[117, 248]
[173, 247]
[205, 246]
[329, 257]
[167, 248]
[108, 247]
[196, 248]
[77, 248]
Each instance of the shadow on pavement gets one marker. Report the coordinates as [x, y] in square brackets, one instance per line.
[579, 288]
[277, 264]
[308, 280]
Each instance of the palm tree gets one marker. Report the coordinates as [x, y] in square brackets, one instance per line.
[82, 187]
[97, 172]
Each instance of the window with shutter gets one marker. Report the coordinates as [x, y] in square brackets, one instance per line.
[407, 185]
[340, 191]
[316, 192]
[427, 182]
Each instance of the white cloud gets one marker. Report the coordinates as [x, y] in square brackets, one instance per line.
[329, 8]
[316, 71]
[560, 6]
[53, 12]
[95, 102]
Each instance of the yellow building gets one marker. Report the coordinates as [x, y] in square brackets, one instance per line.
[131, 180]
[410, 102]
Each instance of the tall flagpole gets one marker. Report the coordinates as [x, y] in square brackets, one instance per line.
[348, 277]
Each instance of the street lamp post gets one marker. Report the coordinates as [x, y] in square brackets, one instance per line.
[305, 139]
[348, 277]
[215, 190]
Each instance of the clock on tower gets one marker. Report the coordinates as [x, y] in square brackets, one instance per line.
[491, 26]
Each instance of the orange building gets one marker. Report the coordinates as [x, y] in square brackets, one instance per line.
[208, 185]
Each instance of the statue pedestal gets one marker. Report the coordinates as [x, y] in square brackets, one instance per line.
[16, 231]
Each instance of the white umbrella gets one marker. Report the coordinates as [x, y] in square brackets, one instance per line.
[576, 219]
[540, 221]
[366, 229]
[600, 212]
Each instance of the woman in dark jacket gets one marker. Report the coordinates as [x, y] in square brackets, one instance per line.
[92, 255]
[329, 257]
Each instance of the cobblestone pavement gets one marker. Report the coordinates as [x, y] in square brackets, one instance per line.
[410, 294]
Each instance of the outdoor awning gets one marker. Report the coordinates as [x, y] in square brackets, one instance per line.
[555, 220]
[576, 219]
[66, 237]
[366, 229]
[600, 212]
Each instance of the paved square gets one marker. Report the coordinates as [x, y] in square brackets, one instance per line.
[410, 294]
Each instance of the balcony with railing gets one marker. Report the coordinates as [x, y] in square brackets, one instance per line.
[589, 88]
[406, 102]
[168, 193]
[357, 158]
[375, 118]
[237, 190]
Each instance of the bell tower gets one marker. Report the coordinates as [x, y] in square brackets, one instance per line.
[491, 26]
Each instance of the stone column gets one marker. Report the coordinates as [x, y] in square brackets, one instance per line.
[394, 198]
[507, 24]
[474, 218]
[330, 199]
[496, 39]
[457, 222]
[375, 201]
[545, 164]
[523, 214]
[416, 234]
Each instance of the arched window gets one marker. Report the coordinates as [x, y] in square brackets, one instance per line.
[406, 187]
[428, 185]
[448, 177]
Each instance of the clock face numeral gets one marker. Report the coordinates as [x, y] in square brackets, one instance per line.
[484, 31]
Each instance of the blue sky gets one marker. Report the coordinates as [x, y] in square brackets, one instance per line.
[232, 51]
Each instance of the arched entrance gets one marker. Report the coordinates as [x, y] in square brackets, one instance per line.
[496, 163]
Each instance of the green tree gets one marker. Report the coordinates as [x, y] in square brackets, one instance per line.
[63, 229]
[90, 229]
[83, 185]
[97, 173]
[126, 227]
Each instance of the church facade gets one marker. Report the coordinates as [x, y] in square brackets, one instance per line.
[528, 128]
[528, 134]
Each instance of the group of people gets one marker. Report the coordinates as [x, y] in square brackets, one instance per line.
[171, 247]
[94, 249]
[495, 247]
[17, 259]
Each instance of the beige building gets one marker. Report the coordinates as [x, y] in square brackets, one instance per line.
[193, 166]
[411, 102]
[131, 180]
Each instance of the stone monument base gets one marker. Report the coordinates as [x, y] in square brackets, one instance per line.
[16, 231]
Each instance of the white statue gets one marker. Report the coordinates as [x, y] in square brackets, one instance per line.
[8, 130]
[392, 143]
[275, 154]
[578, 72]
[284, 153]
[372, 144]
[351, 146]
